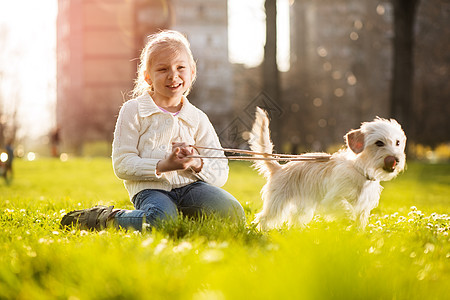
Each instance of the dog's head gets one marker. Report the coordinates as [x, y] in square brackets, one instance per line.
[380, 148]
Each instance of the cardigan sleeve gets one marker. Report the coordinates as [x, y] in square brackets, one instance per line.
[127, 163]
[214, 171]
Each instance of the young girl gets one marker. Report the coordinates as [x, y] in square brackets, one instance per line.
[151, 151]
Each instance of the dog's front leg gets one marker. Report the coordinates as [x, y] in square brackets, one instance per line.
[348, 210]
[368, 200]
[363, 219]
[272, 213]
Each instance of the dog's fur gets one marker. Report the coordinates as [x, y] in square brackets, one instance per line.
[349, 182]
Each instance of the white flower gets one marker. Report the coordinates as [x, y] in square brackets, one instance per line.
[429, 248]
[182, 247]
[212, 255]
[160, 247]
[147, 242]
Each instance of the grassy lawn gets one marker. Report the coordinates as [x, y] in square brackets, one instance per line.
[403, 254]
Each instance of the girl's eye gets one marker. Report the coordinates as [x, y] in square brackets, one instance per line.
[397, 143]
[379, 143]
[181, 67]
[161, 69]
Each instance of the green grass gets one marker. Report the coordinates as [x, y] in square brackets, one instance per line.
[403, 254]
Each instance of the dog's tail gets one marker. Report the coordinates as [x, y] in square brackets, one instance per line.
[260, 142]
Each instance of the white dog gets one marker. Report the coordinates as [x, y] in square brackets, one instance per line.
[348, 182]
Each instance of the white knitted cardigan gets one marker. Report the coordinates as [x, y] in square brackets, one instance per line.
[144, 135]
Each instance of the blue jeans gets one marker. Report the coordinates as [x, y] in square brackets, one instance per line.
[193, 200]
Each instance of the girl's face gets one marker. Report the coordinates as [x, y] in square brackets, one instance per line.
[171, 76]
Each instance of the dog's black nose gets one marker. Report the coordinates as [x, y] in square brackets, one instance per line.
[390, 162]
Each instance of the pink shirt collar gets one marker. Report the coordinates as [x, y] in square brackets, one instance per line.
[166, 111]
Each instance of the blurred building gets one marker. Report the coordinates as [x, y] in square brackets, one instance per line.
[341, 60]
[98, 46]
[340, 68]
[206, 25]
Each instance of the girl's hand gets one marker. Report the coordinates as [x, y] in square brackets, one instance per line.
[179, 160]
[185, 150]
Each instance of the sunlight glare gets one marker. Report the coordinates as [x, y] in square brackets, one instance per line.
[380, 9]
[3, 157]
[31, 156]
[354, 36]
[64, 157]
[322, 51]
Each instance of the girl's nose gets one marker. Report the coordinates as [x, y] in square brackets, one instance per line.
[173, 74]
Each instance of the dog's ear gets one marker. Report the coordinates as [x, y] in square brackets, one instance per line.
[355, 141]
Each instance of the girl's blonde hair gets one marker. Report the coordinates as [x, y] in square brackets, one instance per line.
[166, 40]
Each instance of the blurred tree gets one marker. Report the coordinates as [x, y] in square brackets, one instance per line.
[431, 107]
[2, 117]
[403, 68]
[9, 92]
[271, 78]
[3, 34]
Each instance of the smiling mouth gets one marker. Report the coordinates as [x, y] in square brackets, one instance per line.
[174, 86]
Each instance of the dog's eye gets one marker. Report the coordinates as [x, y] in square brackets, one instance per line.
[379, 143]
[397, 143]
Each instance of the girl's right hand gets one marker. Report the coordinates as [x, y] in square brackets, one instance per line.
[177, 161]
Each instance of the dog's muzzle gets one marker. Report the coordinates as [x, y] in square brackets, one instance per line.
[390, 162]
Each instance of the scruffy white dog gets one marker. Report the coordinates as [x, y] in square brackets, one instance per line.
[349, 182]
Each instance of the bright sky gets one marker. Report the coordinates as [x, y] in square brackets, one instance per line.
[27, 60]
[28, 48]
[246, 32]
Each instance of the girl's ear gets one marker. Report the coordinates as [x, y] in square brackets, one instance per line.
[147, 78]
[193, 72]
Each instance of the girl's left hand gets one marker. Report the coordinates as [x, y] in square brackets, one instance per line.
[179, 160]
[186, 151]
